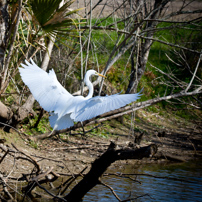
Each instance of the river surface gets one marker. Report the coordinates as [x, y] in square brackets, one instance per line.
[173, 182]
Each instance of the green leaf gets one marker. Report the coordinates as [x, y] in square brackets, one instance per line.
[52, 19]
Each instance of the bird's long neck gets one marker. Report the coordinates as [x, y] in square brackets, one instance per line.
[90, 87]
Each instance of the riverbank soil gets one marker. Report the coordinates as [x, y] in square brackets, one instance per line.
[177, 140]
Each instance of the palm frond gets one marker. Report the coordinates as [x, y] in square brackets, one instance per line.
[53, 19]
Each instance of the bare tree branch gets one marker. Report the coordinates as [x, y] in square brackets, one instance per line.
[194, 74]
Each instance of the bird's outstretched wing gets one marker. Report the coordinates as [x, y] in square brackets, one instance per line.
[100, 105]
[45, 87]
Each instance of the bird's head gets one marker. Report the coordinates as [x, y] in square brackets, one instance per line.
[93, 72]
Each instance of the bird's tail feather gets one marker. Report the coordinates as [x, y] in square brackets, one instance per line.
[59, 123]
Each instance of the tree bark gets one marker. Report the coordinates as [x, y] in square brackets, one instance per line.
[7, 59]
[4, 18]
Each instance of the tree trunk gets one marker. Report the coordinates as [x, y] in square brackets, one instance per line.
[4, 18]
[143, 49]
[11, 41]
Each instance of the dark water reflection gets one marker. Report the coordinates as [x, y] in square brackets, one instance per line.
[188, 188]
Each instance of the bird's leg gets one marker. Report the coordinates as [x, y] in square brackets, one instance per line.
[83, 128]
[84, 132]
[58, 136]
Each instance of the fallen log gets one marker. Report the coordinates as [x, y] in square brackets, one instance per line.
[100, 165]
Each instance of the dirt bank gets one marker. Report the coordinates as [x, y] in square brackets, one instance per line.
[177, 140]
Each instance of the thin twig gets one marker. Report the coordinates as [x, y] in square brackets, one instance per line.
[111, 189]
[32, 159]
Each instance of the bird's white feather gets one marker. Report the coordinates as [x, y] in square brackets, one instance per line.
[100, 105]
[45, 87]
[66, 109]
[62, 123]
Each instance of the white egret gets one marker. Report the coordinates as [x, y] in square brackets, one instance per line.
[64, 108]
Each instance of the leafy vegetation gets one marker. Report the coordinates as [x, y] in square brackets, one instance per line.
[34, 32]
[152, 80]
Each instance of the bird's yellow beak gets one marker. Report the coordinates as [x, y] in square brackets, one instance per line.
[101, 75]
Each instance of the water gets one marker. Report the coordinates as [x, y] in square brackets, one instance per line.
[187, 188]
